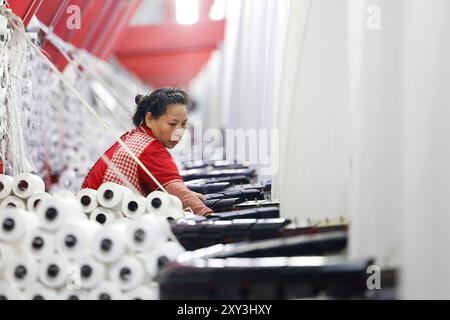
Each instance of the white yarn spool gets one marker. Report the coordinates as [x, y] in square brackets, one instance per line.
[39, 243]
[143, 234]
[68, 294]
[127, 273]
[8, 291]
[177, 208]
[124, 221]
[106, 291]
[88, 199]
[70, 179]
[159, 202]
[37, 291]
[108, 244]
[104, 216]
[176, 203]
[75, 237]
[170, 249]
[53, 271]
[164, 204]
[63, 194]
[5, 186]
[26, 184]
[53, 213]
[6, 255]
[12, 202]
[150, 259]
[162, 253]
[110, 195]
[22, 271]
[35, 199]
[15, 223]
[150, 292]
[92, 272]
[133, 206]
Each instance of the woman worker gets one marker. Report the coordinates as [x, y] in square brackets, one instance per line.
[160, 121]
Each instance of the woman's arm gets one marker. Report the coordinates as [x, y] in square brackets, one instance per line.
[188, 198]
[160, 163]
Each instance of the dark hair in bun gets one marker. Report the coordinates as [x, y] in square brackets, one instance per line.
[138, 99]
[157, 103]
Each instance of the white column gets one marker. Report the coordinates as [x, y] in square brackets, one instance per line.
[314, 176]
[427, 149]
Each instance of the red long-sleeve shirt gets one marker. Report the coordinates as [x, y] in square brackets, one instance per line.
[161, 164]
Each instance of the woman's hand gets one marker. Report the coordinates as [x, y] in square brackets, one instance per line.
[189, 198]
[200, 196]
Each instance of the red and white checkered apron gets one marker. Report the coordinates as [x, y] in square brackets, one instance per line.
[137, 141]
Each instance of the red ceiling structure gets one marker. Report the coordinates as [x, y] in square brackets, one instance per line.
[165, 54]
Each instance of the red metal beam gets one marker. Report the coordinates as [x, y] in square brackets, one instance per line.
[97, 28]
[119, 29]
[192, 67]
[179, 74]
[108, 27]
[61, 29]
[25, 9]
[171, 57]
[47, 11]
[53, 13]
[89, 17]
[85, 8]
[169, 37]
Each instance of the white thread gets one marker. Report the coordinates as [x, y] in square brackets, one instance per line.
[14, 18]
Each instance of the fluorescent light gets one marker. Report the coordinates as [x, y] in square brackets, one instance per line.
[217, 11]
[187, 11]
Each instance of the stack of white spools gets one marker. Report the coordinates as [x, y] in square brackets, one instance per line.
[105, 244]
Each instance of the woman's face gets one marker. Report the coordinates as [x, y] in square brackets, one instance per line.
[169, 128]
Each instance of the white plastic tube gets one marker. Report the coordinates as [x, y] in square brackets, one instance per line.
[149, 292]
[12, 202]
[39, 243]
[104, 216]
[143, 234]
[110, 195]
[14, 224]
[75, 237]
[108, 244]
[53, 271]
[5, 185]
[8, 291]
[133, 206]
[53, 213]
[25, 185]
[6, 255]
[106, 291]
[23, 271]
[128, 272]
[34, 200]
[36, 291]
[92, 272]
[88, 199]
